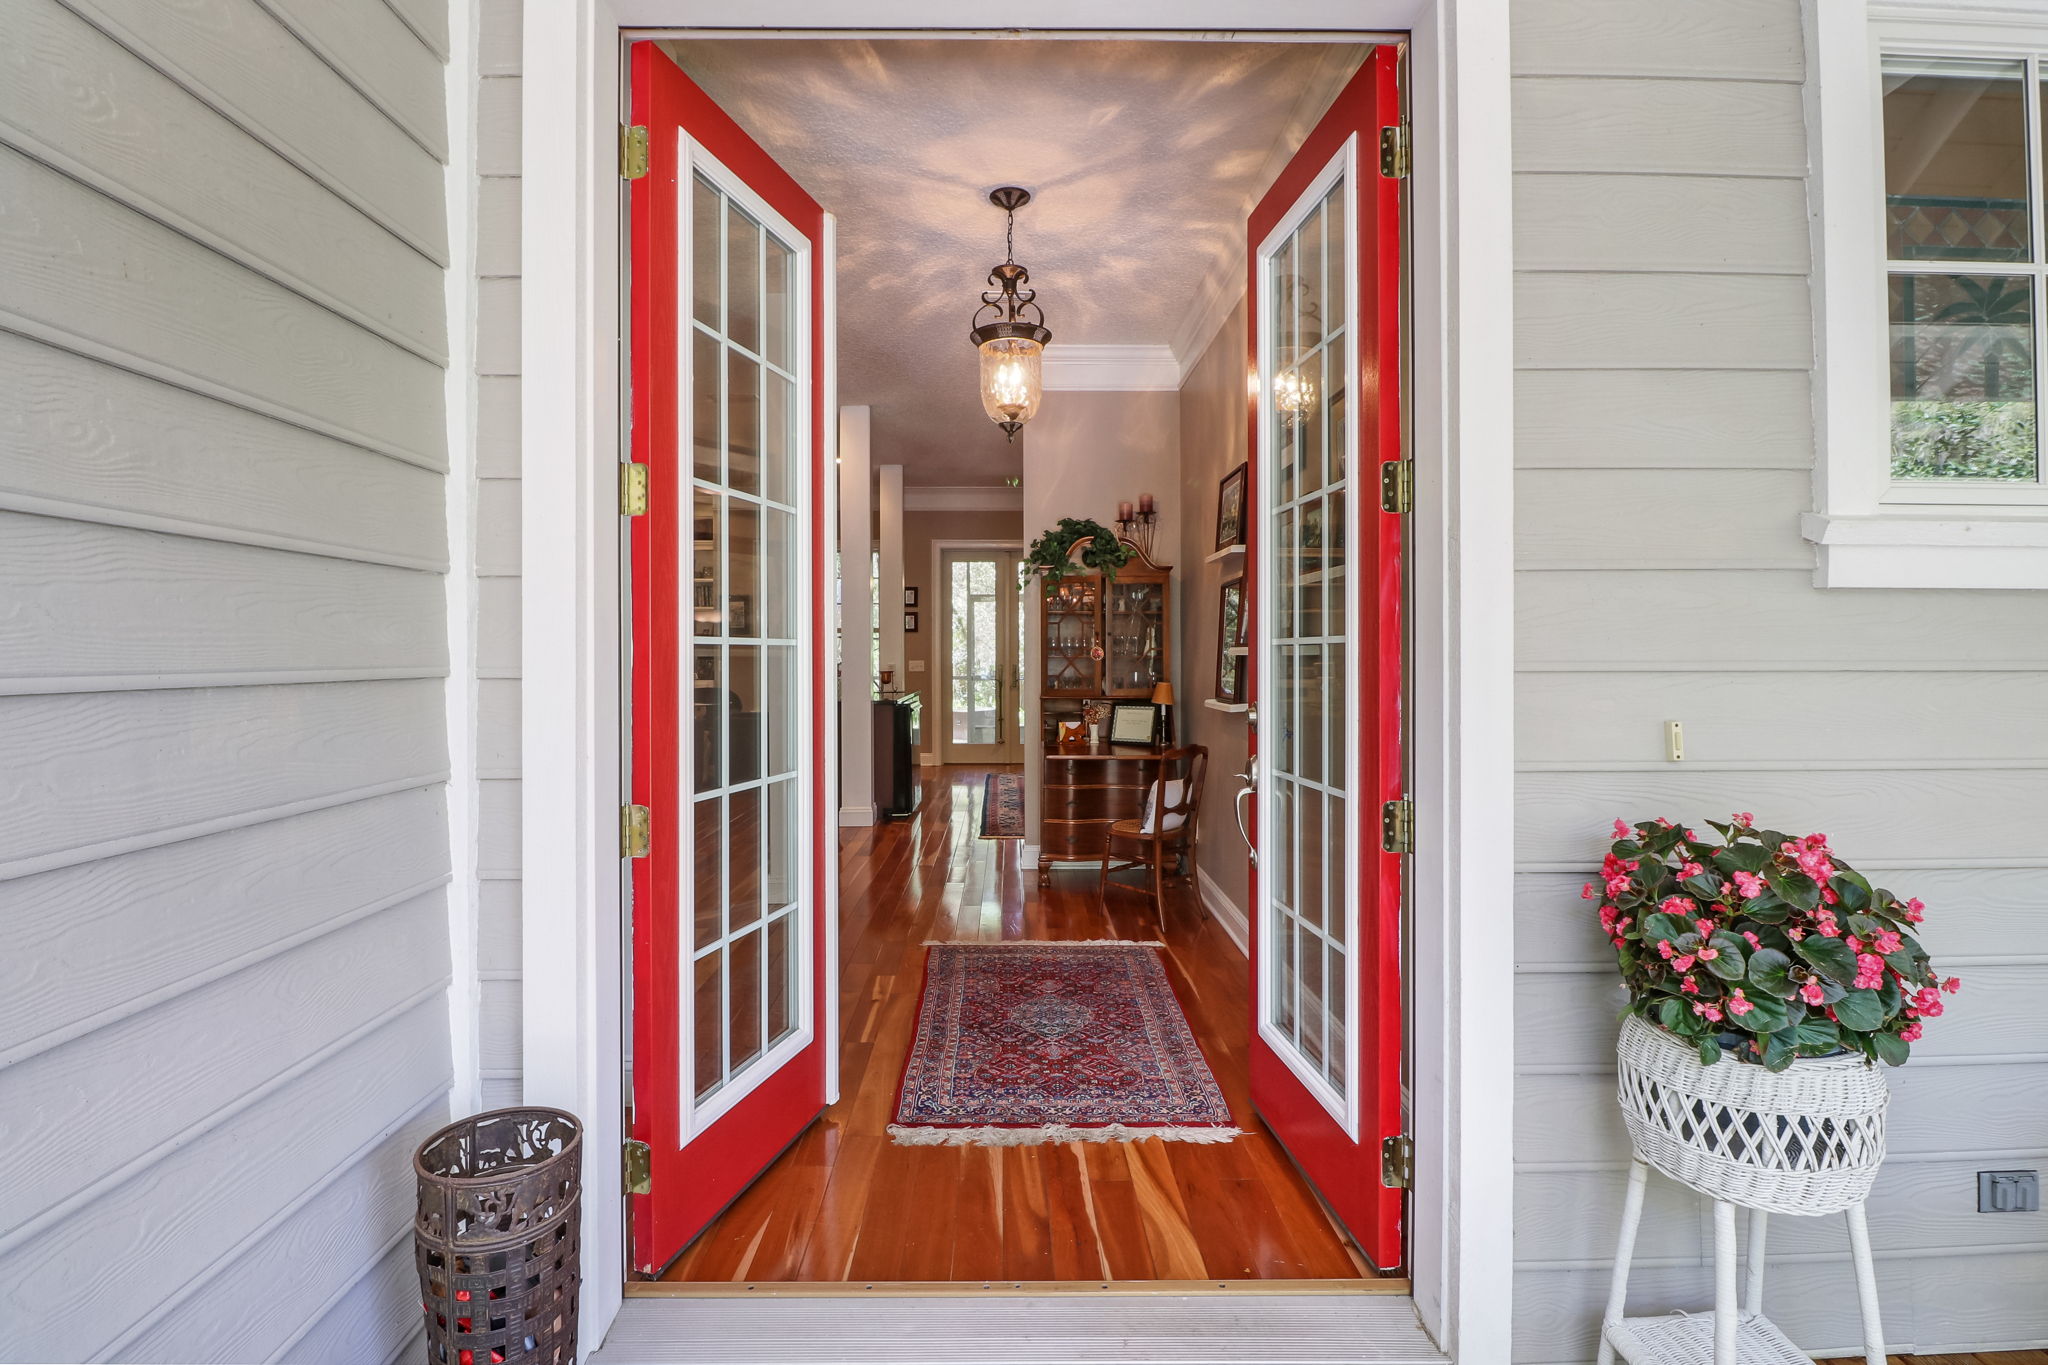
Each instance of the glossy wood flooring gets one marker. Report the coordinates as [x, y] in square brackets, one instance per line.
[846, 1204]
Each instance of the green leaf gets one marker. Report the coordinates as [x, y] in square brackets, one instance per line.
[1852, 888]
[1817, 1037]
[1770, 971]
[1671, 1013]
[1779, 1049]
[1830, 957]
[1731, 959]
[1910, 959]
[1705, 886]
[1890, 998]
[1710, 1049]
[1794, 888]
[1860, 1011]
[1767, 909]
[1663, 926]
[1742, 858]
[1767, 1015]
[1890, 1048]
[1865, 927]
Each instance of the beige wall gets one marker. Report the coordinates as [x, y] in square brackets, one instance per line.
[1083, 454]
[920, 529]
[1212, 443]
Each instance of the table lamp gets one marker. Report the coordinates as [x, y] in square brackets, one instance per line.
[1162, 697]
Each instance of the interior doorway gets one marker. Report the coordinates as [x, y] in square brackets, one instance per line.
[802, 1175]
[981, 653]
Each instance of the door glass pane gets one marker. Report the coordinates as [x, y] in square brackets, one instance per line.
[749, 503]
[1955, 159]
[1962, 377]
[1304, 839]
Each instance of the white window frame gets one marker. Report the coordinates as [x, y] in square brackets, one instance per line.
[1870, 531]
[700, 1112]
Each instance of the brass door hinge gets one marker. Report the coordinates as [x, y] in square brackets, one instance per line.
[632, 151]
[632, 490]
[638, 1167]
[1397, 1162]
[1397, 826]
[1394, 153]
[636, 831]
[1397, 486]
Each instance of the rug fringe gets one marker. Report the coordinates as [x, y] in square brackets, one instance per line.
[1049, 1134]
[1044, 943]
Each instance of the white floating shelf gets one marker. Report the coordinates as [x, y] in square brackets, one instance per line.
[1224, 553]
[1231, 706]
[1241, 652]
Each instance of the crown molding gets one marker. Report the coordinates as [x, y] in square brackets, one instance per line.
[963, 498]
[1123, 369]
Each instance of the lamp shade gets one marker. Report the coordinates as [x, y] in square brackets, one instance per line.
[1012, 379]
[1162, 694]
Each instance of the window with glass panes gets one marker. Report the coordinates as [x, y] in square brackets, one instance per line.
[1965, 266]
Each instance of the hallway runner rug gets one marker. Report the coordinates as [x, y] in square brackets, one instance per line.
[1002, 806]
[1026, 1043]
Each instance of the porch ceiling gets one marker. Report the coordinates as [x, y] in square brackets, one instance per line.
[1142, 156]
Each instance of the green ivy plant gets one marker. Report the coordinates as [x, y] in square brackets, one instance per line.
[1764, 946]
[1051, 556]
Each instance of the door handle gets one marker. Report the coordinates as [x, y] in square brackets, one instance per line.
[1250, 778]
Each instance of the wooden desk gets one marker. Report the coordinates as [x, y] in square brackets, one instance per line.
[1088, 787]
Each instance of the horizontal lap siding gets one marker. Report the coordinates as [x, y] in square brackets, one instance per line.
[224, 863]
[1665, 450]
[497, 560]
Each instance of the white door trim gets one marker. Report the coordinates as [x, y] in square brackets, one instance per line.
[1462, 382]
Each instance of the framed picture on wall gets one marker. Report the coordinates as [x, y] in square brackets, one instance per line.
[910, 623]
[1230, 641]
[1230, 509]
[910, 597]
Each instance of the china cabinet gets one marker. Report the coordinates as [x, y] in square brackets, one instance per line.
[1106, 640]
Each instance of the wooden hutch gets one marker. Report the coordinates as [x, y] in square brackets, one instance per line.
[1100, 642]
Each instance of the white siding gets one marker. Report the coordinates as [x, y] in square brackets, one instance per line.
[496, 563]
[223, 849]
[1664, 452]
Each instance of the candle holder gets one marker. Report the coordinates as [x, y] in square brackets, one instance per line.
[1138, 527]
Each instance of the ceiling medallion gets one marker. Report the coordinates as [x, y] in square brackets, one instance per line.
[1013, 337]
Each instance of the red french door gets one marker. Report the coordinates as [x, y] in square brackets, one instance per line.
[1326, 667]
[730, 664]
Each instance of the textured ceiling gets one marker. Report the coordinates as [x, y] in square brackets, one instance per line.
[1142, 159]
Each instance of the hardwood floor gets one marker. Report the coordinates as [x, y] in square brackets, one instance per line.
[846, 1204]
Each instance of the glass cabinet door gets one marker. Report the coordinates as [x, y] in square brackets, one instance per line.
[1072, 634]
[1134, 637]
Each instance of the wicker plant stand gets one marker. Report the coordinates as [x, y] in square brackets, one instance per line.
[1807, 1141]
[496, 1238]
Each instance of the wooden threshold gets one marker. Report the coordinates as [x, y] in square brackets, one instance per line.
[961, 1289]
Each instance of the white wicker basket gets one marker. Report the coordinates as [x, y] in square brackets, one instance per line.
[1807, 1140]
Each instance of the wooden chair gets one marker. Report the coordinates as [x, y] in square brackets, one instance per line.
[1172, 831]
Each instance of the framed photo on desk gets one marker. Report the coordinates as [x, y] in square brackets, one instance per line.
[1133, 723]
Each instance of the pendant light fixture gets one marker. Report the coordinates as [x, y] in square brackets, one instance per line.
[1013, 337]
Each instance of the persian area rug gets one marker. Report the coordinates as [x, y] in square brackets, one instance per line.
[1025, 1043]
[1002, 806]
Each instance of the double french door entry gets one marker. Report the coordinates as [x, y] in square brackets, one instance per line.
[732, 671]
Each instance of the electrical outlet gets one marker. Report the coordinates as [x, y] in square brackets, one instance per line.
[2008, 1191]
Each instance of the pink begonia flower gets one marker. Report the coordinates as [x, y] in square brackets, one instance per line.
[1749, 884]
[1915, 911]
[1586, 892]
[1742, 818]
[1827, 893]
[1662, 823]
[1607, 914]
[1889, 942]
[1678, 905]
[1755, 944]
[1709, 954]
[1664, 948]
[1738, 1005]
[1855, 943]
[1703, 927]
[1911, 1032]
[1706, 1011]
[1689, 986]
[1952, 985]
[1684, 961]
[1692, 836]
[1621, 830]
[1825, 923]
[1812, 994]
[1928, 1003]
[1869, 971]
[1686, 870]
[1794, 932]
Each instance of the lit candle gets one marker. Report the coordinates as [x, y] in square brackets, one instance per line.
[1145, 503]
[1123, 511]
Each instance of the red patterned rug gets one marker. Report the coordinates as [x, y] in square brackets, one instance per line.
[1023, 1043]
[1002, 806]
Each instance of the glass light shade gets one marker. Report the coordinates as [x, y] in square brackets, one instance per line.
[1012, 379]
[1293, 394]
